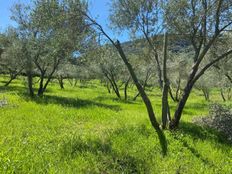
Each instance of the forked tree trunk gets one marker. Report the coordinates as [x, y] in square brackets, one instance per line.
[40, 90]
[115, 87]
[193, 77]
[113, 83]
[42, 86]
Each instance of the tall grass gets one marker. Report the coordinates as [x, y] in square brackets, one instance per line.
[84, 129]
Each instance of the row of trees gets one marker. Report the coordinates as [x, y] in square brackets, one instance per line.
[203, 23]
[176, 45]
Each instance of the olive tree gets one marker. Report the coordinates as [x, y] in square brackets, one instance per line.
[202, 23]
[12, 60]
[53, 31]
[145, 98]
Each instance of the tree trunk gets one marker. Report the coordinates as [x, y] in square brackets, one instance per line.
[48, 81]
[61, 82]
[13, 76]
[143, 94]
[229, 94]
[40, 90]
[108, 87]
[30, 83]
[42, 87]
[115, 88]
[11, 79]
[144, 84]
[156, 59]
[145, 98]
[175, 121]
[206, 93]
[125, 88]
[171, 94]
[222, 95]
[228, 77]
[114, 85]
[136, 96]
[165, 106]
[178, 90]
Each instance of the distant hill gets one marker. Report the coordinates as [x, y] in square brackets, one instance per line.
[175, 43]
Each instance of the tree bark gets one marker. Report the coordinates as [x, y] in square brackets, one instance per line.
[175, 121]
[40, 90]
[165, 105]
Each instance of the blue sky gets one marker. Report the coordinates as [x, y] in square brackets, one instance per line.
[98, 9]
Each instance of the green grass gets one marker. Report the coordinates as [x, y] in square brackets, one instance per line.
[87, 130]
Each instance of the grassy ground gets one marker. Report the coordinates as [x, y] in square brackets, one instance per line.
[86, 130]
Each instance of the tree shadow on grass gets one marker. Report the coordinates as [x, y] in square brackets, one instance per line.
[17, 89]
[200, 133]
[71, 102]
[203, 133]
[111, 161]
[197, 105]
[113, 98]
[195, 152]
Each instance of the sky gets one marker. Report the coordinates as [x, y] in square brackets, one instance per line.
[99, 9]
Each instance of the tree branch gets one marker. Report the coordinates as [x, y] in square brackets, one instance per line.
[210, 64]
